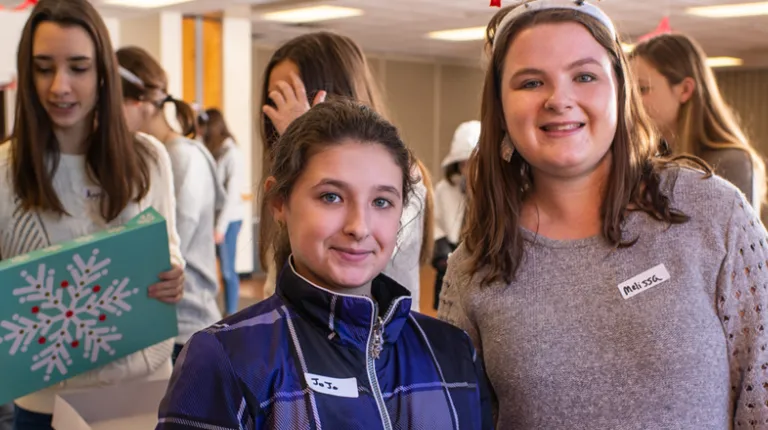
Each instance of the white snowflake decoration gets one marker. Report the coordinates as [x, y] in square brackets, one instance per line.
[67, 313]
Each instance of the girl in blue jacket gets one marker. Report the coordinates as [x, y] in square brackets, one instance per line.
[337, 346]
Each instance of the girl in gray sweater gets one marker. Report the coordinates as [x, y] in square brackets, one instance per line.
[604, 287]
[199, 194]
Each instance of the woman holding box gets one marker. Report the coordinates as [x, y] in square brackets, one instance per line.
[72, 168]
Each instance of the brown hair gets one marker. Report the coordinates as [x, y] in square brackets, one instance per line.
[139, 62]
[216, 131]
[334, 63]
[705, 121]
[497, 189]
[327, 62]
[112, 157]
[327, 124]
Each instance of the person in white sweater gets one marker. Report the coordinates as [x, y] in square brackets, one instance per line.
[229, 219]
[310, 67]
[450, 199]
[198, 193]
[72, 168]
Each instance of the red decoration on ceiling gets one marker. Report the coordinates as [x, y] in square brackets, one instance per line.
[663, 28]
[496, 3]
[26, 4]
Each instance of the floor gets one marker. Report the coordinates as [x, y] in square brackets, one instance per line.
[252, 291]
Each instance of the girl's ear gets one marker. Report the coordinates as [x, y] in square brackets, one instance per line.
[687, 88]
[277, 205]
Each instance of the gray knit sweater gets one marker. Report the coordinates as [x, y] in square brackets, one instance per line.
[667, 334]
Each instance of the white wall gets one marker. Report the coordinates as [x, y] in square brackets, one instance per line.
[237, 107]
[11, 26]
[113, 26]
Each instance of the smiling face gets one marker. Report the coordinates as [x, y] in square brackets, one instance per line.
[65, 74]
[559, 95]
[343, 214]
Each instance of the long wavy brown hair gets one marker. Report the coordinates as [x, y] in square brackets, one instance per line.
[705, 121]
[497, 189]
[334, 63]
[115, 160]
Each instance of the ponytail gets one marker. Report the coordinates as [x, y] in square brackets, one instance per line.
[186, 117]
[179, 116]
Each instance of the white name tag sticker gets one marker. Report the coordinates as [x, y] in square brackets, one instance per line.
[644, 281]
[332, 386]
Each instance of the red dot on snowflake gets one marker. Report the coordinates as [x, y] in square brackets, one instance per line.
[75, 344]
[35, 309]
[41, 340]
[102, 317]
[96, 289]
[69, 314]
[64, 284]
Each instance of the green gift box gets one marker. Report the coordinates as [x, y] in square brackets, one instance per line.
[78, 305]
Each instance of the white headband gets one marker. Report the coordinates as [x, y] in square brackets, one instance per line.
[130, 77]
[536, 5]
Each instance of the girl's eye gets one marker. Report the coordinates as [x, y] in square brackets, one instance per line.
[330, 198]
[382, 203]
[531, 84]
[79, 69]
[43, 70]
[585, 78]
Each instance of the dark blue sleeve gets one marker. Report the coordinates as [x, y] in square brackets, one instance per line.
[204, 391]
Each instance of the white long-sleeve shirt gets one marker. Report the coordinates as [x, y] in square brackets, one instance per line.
[79, 195]
[449, 211]
[230, 171]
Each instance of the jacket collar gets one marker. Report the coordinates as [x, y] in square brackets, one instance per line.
[347, 319]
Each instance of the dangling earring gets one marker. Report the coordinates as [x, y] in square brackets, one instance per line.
[280, 224]
[507, 149]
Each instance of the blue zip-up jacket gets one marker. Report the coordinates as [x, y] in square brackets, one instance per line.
[307, 358]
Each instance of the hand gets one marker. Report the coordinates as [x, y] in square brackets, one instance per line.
[170, 289]
[290, 103]
[218, 238]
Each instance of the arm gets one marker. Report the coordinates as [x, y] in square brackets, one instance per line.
[232, 185]
[484, 389]
[742, 301]
[440, 228]
[204, 391]
[162, 197]
[735, 166]
[452, 308]
[186, 183]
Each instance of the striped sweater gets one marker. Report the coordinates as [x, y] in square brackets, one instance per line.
[307, 358]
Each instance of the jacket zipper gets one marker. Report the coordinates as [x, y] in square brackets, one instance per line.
[372, 352]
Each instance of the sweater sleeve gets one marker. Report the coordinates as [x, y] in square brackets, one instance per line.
[483, 385]
[204, 390]
[439, 212]
[162, 197]
[743, 309]
[452, 308]
[230, 165]
[188, 204]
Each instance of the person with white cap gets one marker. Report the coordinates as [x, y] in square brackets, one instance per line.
[450, 196]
